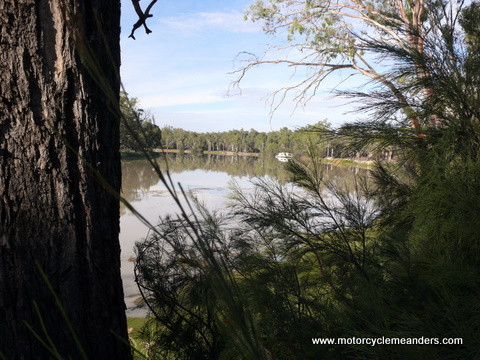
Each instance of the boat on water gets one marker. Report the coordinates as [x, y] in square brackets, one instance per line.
[284, 156]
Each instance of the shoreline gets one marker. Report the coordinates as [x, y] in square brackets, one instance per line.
[339, 162]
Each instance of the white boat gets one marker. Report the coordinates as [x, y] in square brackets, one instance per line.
[284, 155]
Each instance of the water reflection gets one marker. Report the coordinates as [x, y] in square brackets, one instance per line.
[205, 176]
[138, 176]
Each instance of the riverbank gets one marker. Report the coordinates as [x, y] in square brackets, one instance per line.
[210, 152]
[365, 164]
[339, 162]
[132, 155]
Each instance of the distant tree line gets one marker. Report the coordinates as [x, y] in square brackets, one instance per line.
[247, 141]
[139, 131]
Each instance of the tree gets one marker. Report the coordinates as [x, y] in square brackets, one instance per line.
[167, 136]
[260, 141]
[60, 171]
[351, 36]
[137, 129]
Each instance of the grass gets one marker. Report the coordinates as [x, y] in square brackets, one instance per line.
[135, 323]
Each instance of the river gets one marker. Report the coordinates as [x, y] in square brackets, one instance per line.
[206, 176]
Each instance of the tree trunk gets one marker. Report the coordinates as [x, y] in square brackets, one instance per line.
[55, 214]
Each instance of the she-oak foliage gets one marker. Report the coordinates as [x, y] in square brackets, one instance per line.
[398, 257]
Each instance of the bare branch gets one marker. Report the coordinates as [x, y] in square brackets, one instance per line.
[336, 35]
[142, 17]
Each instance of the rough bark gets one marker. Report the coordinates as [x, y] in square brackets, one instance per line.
[54, 213]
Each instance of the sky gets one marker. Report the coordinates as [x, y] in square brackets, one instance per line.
[182, 72]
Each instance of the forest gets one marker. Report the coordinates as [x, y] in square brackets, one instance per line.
[298, 141]
[388, 268]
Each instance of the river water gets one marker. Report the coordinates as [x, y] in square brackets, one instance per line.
[206, 176]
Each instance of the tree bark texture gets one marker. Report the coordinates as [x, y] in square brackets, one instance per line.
[55, 214]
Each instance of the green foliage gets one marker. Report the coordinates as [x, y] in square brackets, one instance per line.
[320, 262]
[175, 277]
[137, 130]
[397, 256]
[279, 264]
[183, 273]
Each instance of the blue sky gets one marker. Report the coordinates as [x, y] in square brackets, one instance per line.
[180, 72]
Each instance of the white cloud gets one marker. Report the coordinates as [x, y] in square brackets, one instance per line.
[226, 21]
[200, 97]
